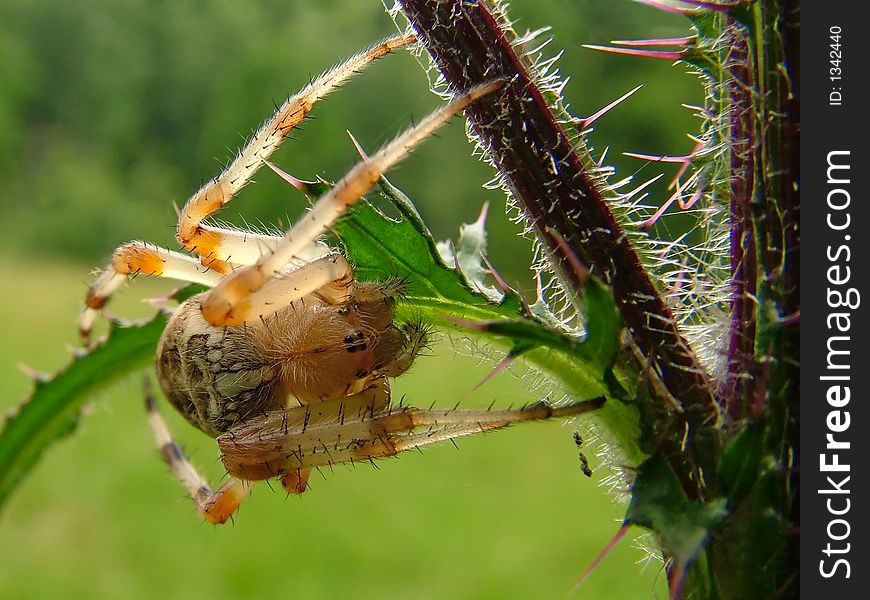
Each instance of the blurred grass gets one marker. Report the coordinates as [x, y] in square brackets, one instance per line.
[508, 515]
[110, 112]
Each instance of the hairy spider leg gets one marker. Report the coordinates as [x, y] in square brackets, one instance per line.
[238, 247]
[253, 454]
[139, 258]
[222, 249]
[218, 247]
[360, 428]
[240, 295]
[215, 506]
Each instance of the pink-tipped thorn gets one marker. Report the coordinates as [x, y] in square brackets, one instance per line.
[581, 271]
[698, 145]
[481, 222]
[502, 284]
[664, 7]
[683, 161]
[695, 197]
[591, 119]
[501, 366]
[299, 184]
[722, 8]
[601, 555]
[481, 218]
[663, 54]
[356, 144]
[677, 197]
[677, 41]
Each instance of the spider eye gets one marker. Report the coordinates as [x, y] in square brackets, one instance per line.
[355, 341]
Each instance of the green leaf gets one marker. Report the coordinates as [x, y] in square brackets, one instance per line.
[380, 247]
[741, 462]
[52, 410]
[603, 324]
[659, 503]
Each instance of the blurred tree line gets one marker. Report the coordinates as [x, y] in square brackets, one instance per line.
[113, 111]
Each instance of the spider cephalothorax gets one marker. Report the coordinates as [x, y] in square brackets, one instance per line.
[286, 360]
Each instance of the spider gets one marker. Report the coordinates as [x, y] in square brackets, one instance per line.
[286, 359]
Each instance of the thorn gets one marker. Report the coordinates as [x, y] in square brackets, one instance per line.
[505, 288]
[678, 41]
[677, 197]
[481, 219]
[584, 123]
[299, 184]
[601, 555]
[501, 366]
[580, 270]
[721, 8]
[699, 144]
[664, 7]
[356, 144]
[662, 54]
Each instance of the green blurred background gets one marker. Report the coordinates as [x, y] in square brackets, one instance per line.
[113, 111]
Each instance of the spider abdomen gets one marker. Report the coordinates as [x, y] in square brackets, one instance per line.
[306, 352]
[213, 376]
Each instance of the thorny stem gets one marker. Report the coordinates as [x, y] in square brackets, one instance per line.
[557, 193]
[741, 334]
[777, 225]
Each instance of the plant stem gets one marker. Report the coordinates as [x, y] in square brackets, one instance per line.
[741, 335]
[559, 196]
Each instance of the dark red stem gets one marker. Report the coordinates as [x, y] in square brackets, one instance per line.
[559, 197]
[744, 154]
